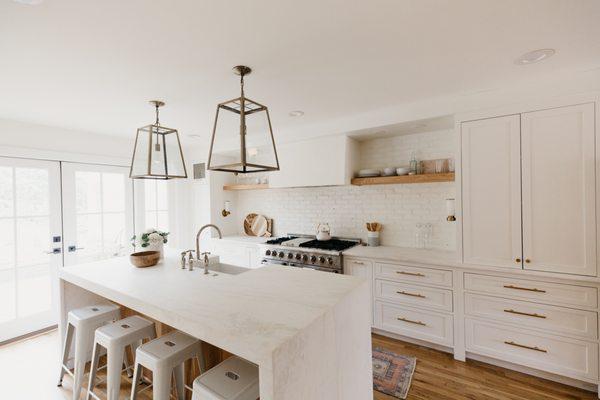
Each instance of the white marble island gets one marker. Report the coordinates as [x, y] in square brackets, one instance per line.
[308, 331]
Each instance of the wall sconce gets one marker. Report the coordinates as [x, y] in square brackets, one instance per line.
[226, 210]
[450, 210]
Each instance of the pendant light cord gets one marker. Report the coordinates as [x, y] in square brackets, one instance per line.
[242, 83]
[157, 144]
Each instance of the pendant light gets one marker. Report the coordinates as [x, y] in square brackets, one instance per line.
[250, 120]
[157, 152]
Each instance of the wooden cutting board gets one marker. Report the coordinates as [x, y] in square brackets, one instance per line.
[257, 225]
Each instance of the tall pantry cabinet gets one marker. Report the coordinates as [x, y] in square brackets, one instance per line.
[528, 191]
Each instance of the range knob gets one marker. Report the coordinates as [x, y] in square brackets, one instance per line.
[268, 252]
[329, 260]
[321, 259]
[313, 259]
[290, 256]
[281, 254]
[304, 257]
[298, 256]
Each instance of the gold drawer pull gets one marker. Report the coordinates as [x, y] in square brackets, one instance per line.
[524, 313]
[411, 321]
[410, 273]
[524, 288]
[411, 294]
[511, 343]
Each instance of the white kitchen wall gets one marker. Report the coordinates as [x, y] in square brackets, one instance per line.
[347, 208]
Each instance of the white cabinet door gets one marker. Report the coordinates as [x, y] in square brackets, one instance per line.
[491, 197]
[559, 217]
[236, 253]
[363, 269]
[230, 252]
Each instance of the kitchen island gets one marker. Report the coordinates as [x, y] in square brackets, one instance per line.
[309, 332]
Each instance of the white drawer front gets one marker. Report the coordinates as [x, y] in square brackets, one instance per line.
[404, 273]
[350, 265]
[569, 357]
[560, 320]
[402, 293]
[543, 292]
[419, 324]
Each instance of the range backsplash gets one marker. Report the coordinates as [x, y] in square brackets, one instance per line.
[347, 208]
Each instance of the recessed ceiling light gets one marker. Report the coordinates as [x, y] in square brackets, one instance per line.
[535, 56]
[29, 2]
[296, 113]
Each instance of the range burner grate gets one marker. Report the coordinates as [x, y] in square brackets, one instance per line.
[280, 240]
[332, 244]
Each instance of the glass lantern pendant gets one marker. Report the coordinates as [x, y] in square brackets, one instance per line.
[248, 122]
[157, 152]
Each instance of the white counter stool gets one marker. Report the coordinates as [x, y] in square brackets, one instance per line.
[163, 356]
[233, 379]
[81, 325]
[115, 338]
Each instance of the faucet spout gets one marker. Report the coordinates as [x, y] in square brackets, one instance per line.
[198, 237]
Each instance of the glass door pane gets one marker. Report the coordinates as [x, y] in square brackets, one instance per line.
[29, 220]
[97, 212]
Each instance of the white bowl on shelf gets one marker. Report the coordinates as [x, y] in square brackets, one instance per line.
[402, 171]
[389, 171]
[366, 173]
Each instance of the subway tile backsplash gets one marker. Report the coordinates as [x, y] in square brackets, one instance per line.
[347, 208]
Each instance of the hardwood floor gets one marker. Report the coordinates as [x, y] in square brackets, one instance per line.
[439, 377]
[28, 370]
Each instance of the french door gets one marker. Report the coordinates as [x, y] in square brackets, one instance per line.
[97, 212]
[30, 245]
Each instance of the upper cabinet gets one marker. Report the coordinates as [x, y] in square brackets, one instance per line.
[323, 161]
[528, 191]
[491, 180]
[559, 217]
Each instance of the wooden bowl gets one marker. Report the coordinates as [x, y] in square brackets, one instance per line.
[145, 259]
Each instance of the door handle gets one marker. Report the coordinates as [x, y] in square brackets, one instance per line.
[55, 250]
[74, 248]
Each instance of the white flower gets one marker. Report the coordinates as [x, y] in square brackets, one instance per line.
[155, 238]
[149, 230]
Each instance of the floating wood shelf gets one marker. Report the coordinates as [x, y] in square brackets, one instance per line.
[253, 186]
[390, 180]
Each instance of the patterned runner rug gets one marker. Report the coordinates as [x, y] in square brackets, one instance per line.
[392, 373]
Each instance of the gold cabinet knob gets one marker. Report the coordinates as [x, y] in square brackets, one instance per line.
[517, 260]
[527, 260]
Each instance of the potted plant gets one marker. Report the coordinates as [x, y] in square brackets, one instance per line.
[151, 239]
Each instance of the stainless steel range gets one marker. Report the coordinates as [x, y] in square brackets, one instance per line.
[304, 251]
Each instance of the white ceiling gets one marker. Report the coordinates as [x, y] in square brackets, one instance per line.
[92, 65]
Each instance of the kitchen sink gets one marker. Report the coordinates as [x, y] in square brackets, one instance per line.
[227, 269]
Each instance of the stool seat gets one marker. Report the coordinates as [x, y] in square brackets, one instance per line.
[123, 331]
[96, 313]
[233, 379]
[173, 348]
